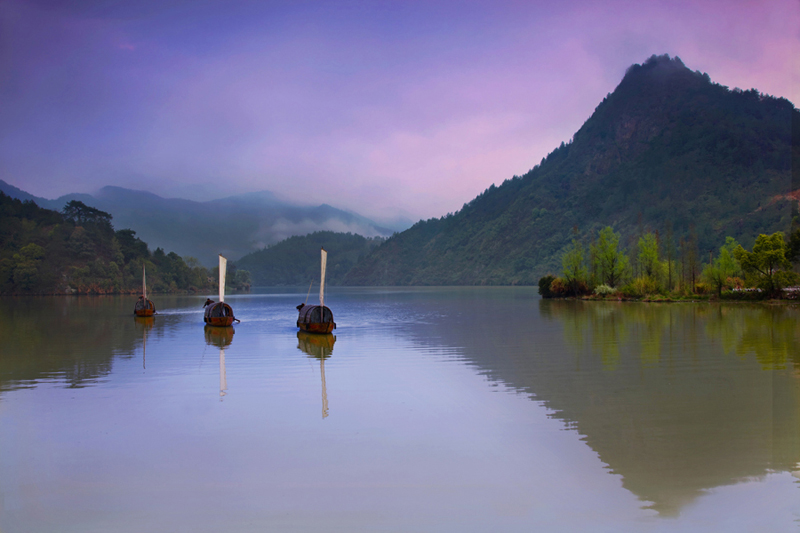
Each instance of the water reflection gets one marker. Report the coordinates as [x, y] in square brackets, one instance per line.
[221, 338]
[674, 399]
[654, 391]
[319, 346]
[144, 324]
[66, 339]
[677, 399]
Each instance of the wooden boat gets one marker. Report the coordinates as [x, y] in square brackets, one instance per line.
[219, 314]
[317, 318]
[144, 307]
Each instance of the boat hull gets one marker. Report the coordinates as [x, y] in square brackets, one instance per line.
[317, 327]
[220, 322]
[144, 308]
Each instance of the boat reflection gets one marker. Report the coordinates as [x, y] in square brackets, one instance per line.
[221, 338]
[319, 346]
[144, 324]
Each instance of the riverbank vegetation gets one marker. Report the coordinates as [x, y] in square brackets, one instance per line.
[77, 251]
[658, 268]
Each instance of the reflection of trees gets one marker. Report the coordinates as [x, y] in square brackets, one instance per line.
[646, 385]
[606, 326]
[677, 417]
[69, 339]
[770, 333]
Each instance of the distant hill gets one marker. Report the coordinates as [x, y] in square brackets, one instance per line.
[668, 146]
[296, 260]
[43, 251]
[234, 226]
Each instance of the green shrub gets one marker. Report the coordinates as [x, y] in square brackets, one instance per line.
[559, 288]
[604, 290]
[641, 286]
[702, 288]
[544, 286]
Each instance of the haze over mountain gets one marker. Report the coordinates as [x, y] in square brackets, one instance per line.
[668, 146]
[234, 226]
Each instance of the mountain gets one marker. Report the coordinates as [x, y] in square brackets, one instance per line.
[234, 226]
[296, 260]
[667, 148]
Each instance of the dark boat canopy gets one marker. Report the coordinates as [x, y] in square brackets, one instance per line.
[219, 309]
[314, 314]
[144, 305]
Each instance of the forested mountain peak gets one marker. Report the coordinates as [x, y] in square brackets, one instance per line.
[667, 148]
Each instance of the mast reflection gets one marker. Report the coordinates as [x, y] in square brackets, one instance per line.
[145, 324]
[319, 346]
[221, 338]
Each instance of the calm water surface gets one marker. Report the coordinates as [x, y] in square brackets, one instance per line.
[458, 409]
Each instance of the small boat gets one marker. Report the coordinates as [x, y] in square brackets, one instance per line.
[144, 307]
[317, 318]
[219, 313]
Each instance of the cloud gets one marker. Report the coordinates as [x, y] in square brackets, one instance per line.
[376, 108]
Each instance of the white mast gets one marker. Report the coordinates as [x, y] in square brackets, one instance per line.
[322, 281]
[144, 285]
[223, 266]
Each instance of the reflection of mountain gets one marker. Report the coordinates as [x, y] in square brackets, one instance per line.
[71, 340]
[676, 399]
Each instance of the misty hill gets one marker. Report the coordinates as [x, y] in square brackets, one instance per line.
[296, 260]
[667, 146]
[233, 226]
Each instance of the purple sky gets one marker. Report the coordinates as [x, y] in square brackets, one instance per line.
[381, 107]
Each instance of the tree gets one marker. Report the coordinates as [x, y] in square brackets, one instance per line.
[573, 265]
[131, 246]
[793, 253]
[724, 266]
[766, 260]
[26, 268]
[669, 250]
[690, 252]
[612, 264]
[81, 213]
[648, 254]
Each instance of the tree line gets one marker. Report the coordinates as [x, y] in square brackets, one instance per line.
[657, 266]
[78, 251]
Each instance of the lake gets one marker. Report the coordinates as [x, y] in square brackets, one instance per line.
[430, 409]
